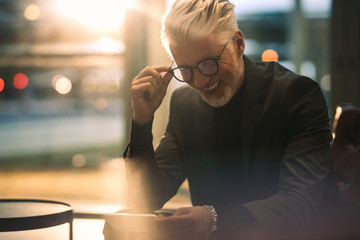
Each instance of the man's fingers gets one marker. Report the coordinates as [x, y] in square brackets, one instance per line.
[161, 69]
[154, 75]
[182, 211]
[153, 71]
[147, 79]
[167, 78]
[139, 90]
[173, 221]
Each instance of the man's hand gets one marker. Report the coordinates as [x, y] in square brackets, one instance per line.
[147, 91]
[191, 223]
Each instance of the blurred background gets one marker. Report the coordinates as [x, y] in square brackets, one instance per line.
[66, 68]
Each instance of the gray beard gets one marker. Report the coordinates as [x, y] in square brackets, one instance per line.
[220, 101]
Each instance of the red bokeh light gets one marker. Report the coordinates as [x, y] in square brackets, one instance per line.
[20, 81]
[2, 85]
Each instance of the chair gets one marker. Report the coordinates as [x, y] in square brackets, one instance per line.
[345, 151]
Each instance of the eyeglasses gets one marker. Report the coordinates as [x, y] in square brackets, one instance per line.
[208, 67]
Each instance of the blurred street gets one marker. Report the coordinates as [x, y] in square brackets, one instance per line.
[58, 134]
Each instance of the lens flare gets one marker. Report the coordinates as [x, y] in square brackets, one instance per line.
[99, 14]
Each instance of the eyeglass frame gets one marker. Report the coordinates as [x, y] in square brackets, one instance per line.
[197, 67]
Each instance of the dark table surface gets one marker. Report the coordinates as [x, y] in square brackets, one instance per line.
[28, 214]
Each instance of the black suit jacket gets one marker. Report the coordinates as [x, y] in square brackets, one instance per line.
[284, 147]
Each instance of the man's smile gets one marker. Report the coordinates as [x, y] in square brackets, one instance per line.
[212, 87]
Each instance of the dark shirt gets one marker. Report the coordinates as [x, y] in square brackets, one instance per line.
[231, 183]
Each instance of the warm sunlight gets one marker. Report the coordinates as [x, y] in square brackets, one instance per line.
[99, 14]
[109, 45]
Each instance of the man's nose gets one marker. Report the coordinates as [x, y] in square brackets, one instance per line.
[200, 80]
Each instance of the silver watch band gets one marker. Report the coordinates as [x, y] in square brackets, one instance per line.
[211, 209]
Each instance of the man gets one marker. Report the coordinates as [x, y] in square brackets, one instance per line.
[252, 140]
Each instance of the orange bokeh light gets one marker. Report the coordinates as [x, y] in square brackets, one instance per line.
[270, 56]
[2, 85]
[20, 81]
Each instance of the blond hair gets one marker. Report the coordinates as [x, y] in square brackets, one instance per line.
[188, 20]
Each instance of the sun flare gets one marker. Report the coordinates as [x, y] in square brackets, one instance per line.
[99, 14]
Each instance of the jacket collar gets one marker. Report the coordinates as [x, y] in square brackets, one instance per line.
[256, 79]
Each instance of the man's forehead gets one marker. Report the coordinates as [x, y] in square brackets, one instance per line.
[191, 52]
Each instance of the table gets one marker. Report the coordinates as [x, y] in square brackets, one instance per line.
[28, 214]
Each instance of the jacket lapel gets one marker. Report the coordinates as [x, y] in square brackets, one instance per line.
[254, 85]
[204, 134]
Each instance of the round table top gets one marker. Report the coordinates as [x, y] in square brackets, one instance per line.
[26, 214]
[15, 208]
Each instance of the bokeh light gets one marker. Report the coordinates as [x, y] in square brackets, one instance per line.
[20, 81]
[78, 160]
[325, 82]
[336, 118]
[270, 55]
[62, 84]
[32, 12]
[2, 85]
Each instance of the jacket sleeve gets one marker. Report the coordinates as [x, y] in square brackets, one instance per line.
[154, 177]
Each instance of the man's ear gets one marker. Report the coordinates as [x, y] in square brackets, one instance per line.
[239, 43]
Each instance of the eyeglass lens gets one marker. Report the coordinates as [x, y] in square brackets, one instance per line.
[182, 74]
[208, 68]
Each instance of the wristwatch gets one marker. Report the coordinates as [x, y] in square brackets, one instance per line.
[211, 209]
